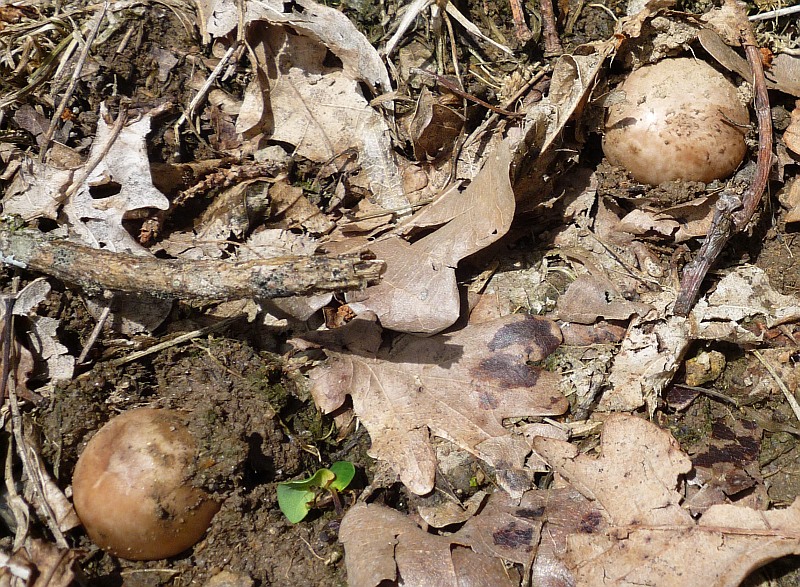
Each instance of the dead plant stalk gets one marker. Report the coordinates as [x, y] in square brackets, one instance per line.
[733, 213]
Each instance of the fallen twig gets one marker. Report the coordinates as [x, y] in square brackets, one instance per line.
[793, 403]
[524, 33]
[157, 348]
[73, 83]
[29, 462]
[730, 218]
[552, 43]
[97, 270]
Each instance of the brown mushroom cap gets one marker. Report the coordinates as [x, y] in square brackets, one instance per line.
[680, 119]
[132, 487]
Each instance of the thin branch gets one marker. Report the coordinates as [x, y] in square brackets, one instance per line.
[552, 43]
[203, 91]
[97, 270]
[775, 13]
[727, 219]
[73, 82]
[30, 468]
[793, 403]
[222, 324]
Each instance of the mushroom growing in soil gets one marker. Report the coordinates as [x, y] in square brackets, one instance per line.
[133, 490]
[680, 119]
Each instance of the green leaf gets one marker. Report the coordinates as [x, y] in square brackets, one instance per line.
[344, 472]
[295, 498]
[294, 503]
[322, 478]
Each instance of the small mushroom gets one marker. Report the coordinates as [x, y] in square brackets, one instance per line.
[680, 119]
[133, 490]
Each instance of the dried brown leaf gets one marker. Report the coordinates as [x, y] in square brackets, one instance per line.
[297, 98]
[39, 564]
[591, 297]
[125, 172]
[536, 147]
[791, 136]
[328, 26]
[648, 538]
[458, 386]
[418, 292]
[384, 545]
[785, 74]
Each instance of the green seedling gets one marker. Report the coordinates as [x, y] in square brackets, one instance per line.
[296, 498]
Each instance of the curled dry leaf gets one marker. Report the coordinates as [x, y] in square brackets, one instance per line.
[418, 292]
[535, 148]
[43, 332]
[457, 386]
[677, 223]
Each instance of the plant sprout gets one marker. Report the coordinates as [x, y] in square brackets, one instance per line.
[296, 498]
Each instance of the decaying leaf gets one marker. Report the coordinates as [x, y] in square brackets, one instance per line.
[590, 297]
[614, 519]
[434, 127]
[42, 333]
[677, 223]
[37, 191]
[791, 136]
[299, 99]
[648, 358]
[418, 292]
[382, 544]
[39, 564]
[328, 25]
[741, 296]
[124, 174]
[647, 537]
[457, 386]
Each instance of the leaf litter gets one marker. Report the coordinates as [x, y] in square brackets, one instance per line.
[309, 158]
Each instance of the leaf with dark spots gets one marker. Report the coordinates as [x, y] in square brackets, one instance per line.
[502, 369]
[638, 530]
[727, 459]
[538, 337]
[381, 544]
[513, 537]
[448, 385]
[590, 522]
[530, 513]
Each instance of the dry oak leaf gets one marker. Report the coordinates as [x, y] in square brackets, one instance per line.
[418, 292]
[383, 545]
[457, 386]
[648, 537]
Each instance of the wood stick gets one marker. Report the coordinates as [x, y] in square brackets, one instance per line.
[727, 221]
[552, 42]
[96, 270]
